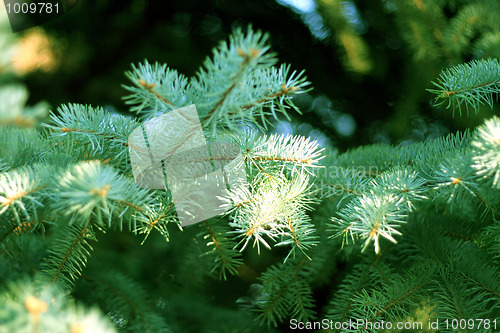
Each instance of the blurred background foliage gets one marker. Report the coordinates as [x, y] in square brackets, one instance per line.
[369, 61]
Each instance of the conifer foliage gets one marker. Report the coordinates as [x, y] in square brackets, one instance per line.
[420, 233]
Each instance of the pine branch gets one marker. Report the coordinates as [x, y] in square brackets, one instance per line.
[457, 300]
[371, 160]
[295, 152]
[362, 276]
[273, 211]
[13, 109]
[457, 180]
[300, 234]
[391, 302]
[342, 182]
[472, 84]
[126, 302]
[21, 255]
[157, 216]
[92, 189]
[68, 255]
[103, 131]
[30, 308]
[407, 186]
[383, 203]
[471, 19]
[421, 25]
[487, 150]
[10, 227]
[287, 293]
[491, 242]
[368, 218]
[8, 45]
[156, 89]
[237, 85]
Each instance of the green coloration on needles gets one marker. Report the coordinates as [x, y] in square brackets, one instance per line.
[417, 224]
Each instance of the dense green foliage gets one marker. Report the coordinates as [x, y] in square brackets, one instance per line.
[379, 233]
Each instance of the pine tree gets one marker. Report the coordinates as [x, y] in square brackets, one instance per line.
[417, 225]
